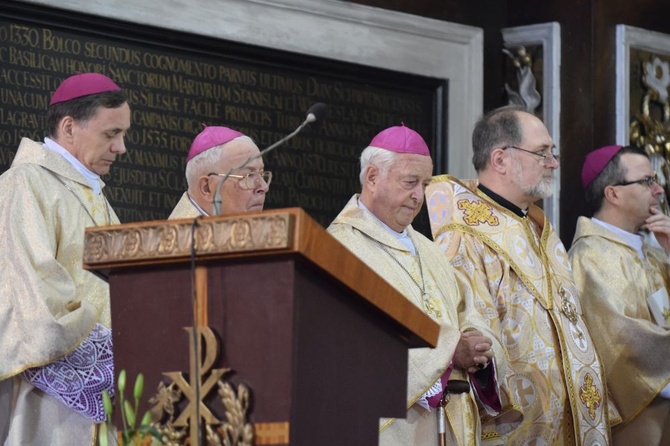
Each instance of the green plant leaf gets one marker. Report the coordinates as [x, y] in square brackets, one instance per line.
[126, 437]
[139, 386]
[107, 403]
[130, 414]
[150, 430]
[146, 419]
[103, 439]
[129, 435]
[122, 381]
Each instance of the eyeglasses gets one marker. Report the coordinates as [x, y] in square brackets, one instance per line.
[250, 180]
[546, 157]
[648, 181]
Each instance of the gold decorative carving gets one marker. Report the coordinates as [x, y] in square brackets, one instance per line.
[174, 425]
[526, 94]
[170, 239]
[649, 130]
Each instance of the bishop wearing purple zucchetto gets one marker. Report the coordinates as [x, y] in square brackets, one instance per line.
[376, 226]
[55, 325]
[225, 174]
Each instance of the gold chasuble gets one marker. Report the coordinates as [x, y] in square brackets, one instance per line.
[615, 285]
[184, 209]
[424, 280]
[520, 275]
[48, 303]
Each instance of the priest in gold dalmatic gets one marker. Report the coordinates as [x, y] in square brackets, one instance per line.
[55, 334]
[376, 226]
[623, 284]
[520, 277]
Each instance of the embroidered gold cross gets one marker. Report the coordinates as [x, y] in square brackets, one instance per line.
[590, 396]
[477, 212]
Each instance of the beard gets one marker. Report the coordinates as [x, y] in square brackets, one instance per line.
[542, 189]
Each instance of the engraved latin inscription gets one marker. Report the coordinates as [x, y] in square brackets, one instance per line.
[173, 92]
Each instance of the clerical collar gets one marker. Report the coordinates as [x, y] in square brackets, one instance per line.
[92, 178]
[632, 240]
[503, 202]
[402, 237]
[197, 206]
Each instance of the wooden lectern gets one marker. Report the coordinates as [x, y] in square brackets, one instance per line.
[317, 337]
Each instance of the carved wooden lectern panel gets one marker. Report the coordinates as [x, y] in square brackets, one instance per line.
[279, 327]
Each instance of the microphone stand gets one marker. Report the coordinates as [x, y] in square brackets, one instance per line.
[315, 112]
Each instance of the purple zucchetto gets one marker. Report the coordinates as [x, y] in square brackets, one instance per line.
[80, 85]
[401, 139]
[211, 137]
[595, 162]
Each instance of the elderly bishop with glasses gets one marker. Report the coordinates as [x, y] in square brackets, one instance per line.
[223, 154]
[623, 284]
[519, 275]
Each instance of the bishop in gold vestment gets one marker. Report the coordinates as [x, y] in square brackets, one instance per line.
[366, 237]
[49, 304]
[376, 227]
[623, 284]
[55, 336]
[186, 208]
[629, 342]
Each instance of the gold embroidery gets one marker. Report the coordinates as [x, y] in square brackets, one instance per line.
[477, 212]
[666, 315]
[569, 310]
[590, 396]
[540, 259]
[490, 435]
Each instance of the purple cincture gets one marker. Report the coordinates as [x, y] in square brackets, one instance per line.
[78, 379]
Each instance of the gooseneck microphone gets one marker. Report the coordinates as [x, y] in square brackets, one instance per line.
[315, 113]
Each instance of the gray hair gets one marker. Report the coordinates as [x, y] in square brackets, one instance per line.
[203, 162]
[613, 173]
[499, 127]
[380, 158]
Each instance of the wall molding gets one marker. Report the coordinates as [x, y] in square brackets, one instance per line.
[628, 37]
[335, 30]
[549, 36]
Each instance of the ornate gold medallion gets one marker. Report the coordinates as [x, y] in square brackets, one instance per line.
[569, 310]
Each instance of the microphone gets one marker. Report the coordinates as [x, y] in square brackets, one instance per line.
[315, 113]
